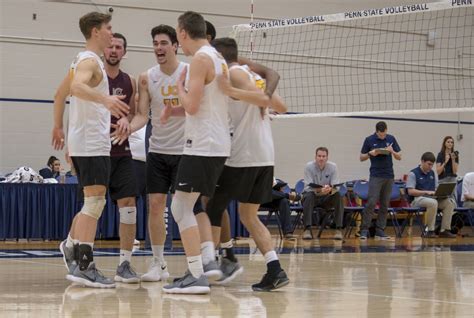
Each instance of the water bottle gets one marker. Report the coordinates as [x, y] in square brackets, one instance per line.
[62, 176]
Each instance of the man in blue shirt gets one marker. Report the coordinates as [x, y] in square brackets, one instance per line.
[379, 148]
[422, 183]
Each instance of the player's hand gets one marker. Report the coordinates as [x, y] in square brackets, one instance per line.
[116, 106]
[123, 126]
[58, 138]
[118, 138]
[374, 152]
[165, 114]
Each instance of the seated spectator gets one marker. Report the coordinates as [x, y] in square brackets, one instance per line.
[320, 176]
[53, 168]
[421, 185]
[468, 190]
[281, 202]
[447, 161]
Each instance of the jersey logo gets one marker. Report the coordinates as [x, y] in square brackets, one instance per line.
[168, 91]
[189, 143]
[117, 91]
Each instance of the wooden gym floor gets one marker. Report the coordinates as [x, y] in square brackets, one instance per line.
[409, 277]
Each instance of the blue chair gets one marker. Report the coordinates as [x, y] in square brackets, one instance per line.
[462, 210]
[360, 190]
[275, 211]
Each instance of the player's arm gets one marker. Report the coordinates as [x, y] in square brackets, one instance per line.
[241, 87]
[59, 105]
[198, 69]
[271, 76]
[80, 88]
[143, 108]
[123, 124]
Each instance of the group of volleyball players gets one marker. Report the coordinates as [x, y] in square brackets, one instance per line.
[211, 143]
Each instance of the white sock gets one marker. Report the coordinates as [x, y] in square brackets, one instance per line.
[69, 241]
[227, 244]
[207, 252]
[158, 252]
[270, 257]
[125, 256]
[195, 265]
[217, 253]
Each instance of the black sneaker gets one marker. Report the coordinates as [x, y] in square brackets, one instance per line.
[272, 281]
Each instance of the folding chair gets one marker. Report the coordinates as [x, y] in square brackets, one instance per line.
[275, 211]
[360, 191]
[460, 209]
[412, 212]
[329, 217]
[298, 207]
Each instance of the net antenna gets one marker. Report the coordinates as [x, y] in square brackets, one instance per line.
[404, 59]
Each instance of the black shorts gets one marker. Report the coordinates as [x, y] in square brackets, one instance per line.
[122, 178]
[92, 170]
[246, 185]
[199, 174]
[161, 170]
[139, 168]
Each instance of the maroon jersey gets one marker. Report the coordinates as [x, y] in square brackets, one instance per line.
[121, 85]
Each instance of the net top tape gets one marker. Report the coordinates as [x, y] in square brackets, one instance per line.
[352, 15]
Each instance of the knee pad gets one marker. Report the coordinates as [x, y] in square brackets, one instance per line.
[128, 215]
[182, 210]
[93, 206]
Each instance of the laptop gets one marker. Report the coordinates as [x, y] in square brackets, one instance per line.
[444, 190]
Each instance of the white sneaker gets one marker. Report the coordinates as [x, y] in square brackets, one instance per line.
[156, 272]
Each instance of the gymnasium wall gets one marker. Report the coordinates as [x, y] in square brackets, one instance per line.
[36, 53]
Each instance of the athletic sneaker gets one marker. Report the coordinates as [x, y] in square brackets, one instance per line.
[212, 270]
[230, 270]
[380, 235]
[156, 272]
[307, 234]
[364, 234]
[272, 281]
[188, 284]
[126, 274]
[90, 277]
[338, 235]
[68, 257]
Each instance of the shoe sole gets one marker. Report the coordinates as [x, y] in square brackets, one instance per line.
[231, 277]
[88, 283]
[196, 290]
[162, 278]
[382, 238]
[213, 274]
[279, 285]
[120, 279]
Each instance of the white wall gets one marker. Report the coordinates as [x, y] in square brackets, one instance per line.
[297, 138]
[35, 55]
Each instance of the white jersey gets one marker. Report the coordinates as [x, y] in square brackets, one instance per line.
[207, 131]
[168, 138]
[252, 142]
[89, 122]
[137, 144]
